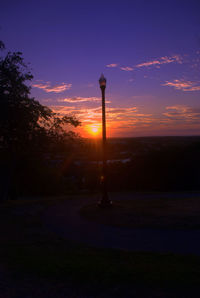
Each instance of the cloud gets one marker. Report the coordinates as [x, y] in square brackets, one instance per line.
[95, 112]
[79, 99]
[183, 85]
[62, 109]
[152, 63]
[160, 61]
[129, 121]
[116, 117]
[122, 111]
[113, 114]
[182, 113]
[126, 68]
[112, 65]
[55, 88]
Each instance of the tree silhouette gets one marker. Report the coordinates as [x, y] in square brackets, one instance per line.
[23, 120]
[26, 126]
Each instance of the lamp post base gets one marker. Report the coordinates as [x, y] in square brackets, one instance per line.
[105, 203]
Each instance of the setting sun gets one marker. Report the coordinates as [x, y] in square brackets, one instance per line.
[94, 130]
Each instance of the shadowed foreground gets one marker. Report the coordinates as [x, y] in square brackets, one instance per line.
[151, 213]
[35, 262]
[140, 228]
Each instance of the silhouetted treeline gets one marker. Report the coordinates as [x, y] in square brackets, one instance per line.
[29, 132]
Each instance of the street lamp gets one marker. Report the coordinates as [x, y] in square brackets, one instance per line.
[104, 202]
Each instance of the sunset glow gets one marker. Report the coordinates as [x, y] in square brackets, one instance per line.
[94, 130]
[153, 77]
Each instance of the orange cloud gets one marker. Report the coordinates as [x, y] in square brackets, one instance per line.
[183, 85]
[126, 68]
[129, 121]
[182, 112]
[156, 62]
[112, 65]
[79, 99]
[116, 118]
[56, 88]
[162, 60]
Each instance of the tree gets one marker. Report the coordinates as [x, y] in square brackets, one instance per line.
[23, 120]
[26, 126]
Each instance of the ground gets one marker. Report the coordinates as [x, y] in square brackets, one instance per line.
[37, 261]
[156, 213]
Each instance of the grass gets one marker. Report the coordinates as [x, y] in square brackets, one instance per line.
[161, 213]
[28, 250]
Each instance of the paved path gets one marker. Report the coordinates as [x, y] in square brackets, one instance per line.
[64, 219]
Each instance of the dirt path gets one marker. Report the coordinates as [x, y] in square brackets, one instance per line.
[65, 220]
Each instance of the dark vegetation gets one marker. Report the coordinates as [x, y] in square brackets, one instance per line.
[30, 133]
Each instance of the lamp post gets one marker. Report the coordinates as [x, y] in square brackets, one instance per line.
[104, 202]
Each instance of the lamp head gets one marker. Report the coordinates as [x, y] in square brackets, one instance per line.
[102, 81]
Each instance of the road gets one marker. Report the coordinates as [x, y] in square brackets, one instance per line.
[65, 220]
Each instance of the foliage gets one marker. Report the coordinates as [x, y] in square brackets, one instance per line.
[24, 122]
[29, 131]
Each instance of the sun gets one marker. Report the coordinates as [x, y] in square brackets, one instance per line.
[94, 130]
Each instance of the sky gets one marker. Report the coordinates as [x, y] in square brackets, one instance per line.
[149, 52]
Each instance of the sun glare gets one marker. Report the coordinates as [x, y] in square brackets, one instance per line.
[94, 130]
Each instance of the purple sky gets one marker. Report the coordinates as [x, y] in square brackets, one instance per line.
[149, 52]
